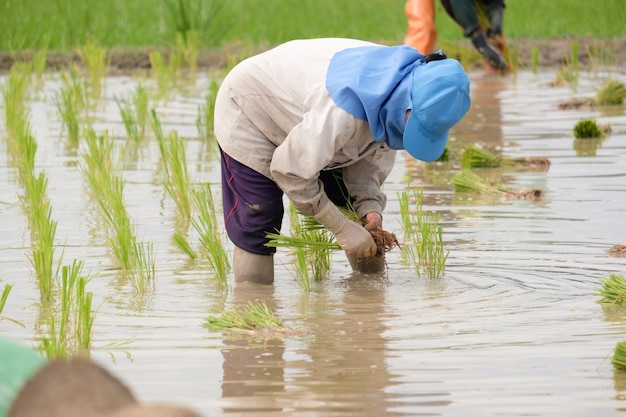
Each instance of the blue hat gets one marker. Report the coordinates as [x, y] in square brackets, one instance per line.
[440, 97]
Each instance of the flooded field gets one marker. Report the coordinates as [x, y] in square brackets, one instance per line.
[513, 327]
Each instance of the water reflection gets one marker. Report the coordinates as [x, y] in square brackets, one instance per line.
[341, 364]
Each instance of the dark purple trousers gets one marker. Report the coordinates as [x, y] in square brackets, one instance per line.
[253, 204]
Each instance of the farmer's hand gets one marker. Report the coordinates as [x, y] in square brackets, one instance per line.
[353, 238]
[373, 221]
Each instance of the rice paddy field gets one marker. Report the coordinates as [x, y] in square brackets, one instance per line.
[112, 243]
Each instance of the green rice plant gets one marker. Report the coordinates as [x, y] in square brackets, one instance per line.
[3, 300]
[534, 59]
[14, 93]
[3, 297]
[254, 316]
[612, 92]
[182, 244]
[162, 73]
[71, 102]
[587, 128]
[619, 356]
[186, 47]
[278, 240]
[40, 60]
[85, 315]
[70, 317]
[205, 223]
[205, 122]
[301, 268]
[42, 256]
[613, 290]
[134, 114]
[423, 246]
[176, 176]
[143, 270]
[475, 157]
[23, 151]
[569, 72]
[94, 58]
[136, 259]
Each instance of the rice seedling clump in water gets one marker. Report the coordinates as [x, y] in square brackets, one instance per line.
[587, 128]
[612, 92]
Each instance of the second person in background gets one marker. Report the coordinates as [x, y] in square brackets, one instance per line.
[487, 37]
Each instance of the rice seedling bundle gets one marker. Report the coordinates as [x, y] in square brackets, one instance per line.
[468, 181]
[613, 290]
[619, 356]
[612, 92]
[254, 316]
[587, 128]
[475, 157]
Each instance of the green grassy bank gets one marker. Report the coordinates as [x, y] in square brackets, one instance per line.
[67, 24]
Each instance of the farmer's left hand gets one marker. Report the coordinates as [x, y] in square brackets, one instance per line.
[373, 221]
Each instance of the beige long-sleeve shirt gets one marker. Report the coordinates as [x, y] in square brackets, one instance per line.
[274, 115]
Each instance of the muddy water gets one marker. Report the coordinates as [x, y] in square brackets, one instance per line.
[512, 329]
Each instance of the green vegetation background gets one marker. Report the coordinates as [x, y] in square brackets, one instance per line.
[67, 24]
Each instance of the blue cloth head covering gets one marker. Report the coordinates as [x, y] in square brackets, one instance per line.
[371, 83]
[379, 84]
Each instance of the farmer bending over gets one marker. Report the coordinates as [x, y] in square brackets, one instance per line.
[320, 120]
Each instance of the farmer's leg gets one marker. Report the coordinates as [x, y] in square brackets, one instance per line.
[421, 32]
[465, 14]
[253, 207]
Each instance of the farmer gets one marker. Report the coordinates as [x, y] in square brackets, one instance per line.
[320, 120]
[30, 386]
[489, 41]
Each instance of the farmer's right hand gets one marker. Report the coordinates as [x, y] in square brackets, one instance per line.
[353, 238]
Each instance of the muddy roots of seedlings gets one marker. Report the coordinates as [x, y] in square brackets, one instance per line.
[385, 241]
[576, 104]
[525, 194]
[618, 251]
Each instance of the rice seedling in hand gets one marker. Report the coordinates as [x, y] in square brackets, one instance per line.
[255, 316]
[612, 92]
[613, 290]
[475, 157]
[619, 356]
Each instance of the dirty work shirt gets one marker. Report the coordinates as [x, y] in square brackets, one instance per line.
[274, 115]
